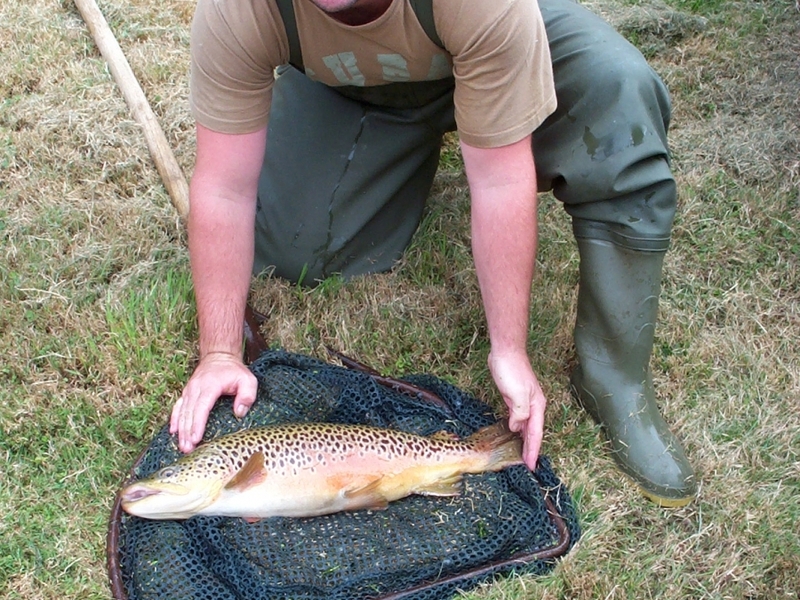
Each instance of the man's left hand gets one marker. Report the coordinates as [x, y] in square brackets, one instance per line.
[525, 399]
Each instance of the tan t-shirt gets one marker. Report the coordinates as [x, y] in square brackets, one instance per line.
[496, 50]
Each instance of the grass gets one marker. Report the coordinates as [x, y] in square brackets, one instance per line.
[97, 330]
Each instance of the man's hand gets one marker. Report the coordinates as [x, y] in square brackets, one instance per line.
[217, 374]
[526, 402]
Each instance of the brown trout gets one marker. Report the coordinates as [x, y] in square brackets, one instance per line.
[310, 469]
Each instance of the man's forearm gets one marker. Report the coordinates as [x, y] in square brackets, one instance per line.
[504, 250]
[221, 233]
[221, 252]
[504, 238]
[222, 197]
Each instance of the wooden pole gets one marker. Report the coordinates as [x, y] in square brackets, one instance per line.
[167, 166]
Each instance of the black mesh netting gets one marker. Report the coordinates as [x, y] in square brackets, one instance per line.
[418, 548]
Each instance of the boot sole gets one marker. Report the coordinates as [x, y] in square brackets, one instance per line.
[665, 502]
[659, 499]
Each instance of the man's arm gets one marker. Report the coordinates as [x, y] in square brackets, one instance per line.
[502, 185]
[221, 232]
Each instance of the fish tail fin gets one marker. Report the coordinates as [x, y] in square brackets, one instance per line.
[503, 446]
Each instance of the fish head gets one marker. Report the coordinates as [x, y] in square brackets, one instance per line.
[182, 489]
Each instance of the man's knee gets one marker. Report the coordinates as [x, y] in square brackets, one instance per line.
[639, 221]
[608, 137]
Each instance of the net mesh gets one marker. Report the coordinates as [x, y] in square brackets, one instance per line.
[413, 549]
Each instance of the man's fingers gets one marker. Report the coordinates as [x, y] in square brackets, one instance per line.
[198, 426]
[245, 397]
[515, 422]
[534, 431]
[211, 380]
[531, 447]
[518, 411]
[174, 419]
[193, 418]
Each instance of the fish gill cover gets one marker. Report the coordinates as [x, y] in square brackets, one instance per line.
[420, 548]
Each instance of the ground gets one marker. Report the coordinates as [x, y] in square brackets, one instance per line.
[97, 330]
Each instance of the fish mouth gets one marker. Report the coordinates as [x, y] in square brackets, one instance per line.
[163, 501]
[134, 495]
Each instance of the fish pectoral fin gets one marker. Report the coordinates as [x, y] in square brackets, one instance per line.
[366, 497]
[449, 486]
[251, 520]
[252, 473]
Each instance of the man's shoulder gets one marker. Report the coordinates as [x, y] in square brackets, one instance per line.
[466, 21]
[474, 7]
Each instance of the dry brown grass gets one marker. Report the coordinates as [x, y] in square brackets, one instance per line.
[97, 333]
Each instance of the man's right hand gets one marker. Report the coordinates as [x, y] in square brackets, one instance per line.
[217, 374]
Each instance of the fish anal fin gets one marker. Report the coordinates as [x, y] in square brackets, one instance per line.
[367, 496]
[448, 486]
[254, 472]
[251, 520]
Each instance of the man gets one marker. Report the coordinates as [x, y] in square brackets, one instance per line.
[327, 171]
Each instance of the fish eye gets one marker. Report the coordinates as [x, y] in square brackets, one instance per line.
[167, 472]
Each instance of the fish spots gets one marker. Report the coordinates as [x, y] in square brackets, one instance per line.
[297, 448]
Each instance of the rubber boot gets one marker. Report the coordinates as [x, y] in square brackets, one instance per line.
[614, 332]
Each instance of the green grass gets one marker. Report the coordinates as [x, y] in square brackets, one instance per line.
[97, 331]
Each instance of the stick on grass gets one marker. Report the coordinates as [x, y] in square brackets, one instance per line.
[167, 166]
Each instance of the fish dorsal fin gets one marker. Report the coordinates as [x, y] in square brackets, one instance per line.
[252, 473]
[444, 435]
[366, 496]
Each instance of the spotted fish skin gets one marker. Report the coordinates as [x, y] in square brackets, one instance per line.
[310, 469]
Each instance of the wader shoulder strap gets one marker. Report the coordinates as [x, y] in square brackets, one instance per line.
[286, 8]
[423, 9]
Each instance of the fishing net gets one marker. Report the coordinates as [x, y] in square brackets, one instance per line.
[420, 548]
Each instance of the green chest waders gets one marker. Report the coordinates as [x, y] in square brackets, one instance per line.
[347, 173]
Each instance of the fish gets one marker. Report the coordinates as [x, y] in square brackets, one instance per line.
[313, 469]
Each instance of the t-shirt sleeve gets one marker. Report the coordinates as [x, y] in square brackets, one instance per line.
[235, 47]
[502, 66]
